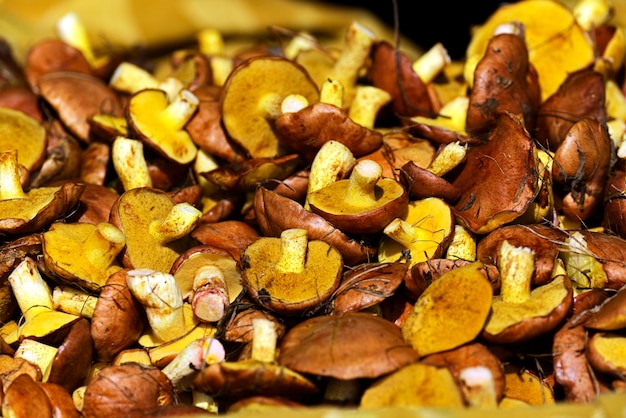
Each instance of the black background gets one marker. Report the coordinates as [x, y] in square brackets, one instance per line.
[427, 23]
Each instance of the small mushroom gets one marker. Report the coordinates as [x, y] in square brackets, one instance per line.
[30, 211]
[209, 280]
[251, 100]
[159, 122]
[155, 226]
[362, 204]
[290, 274]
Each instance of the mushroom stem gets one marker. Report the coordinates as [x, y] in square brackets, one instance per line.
[180, 221]
[72, 31]
[74, 301]
[301, 42]
[210, 299]
[210, 41]
[331, 92]
[361, 190]
[431, 63]
[31, 292]
[331, 163]
[478, 387]
[293, 249]
[368, 100]
[462, 246]
[358, 44]
[180, 110]
[264, 338]
[162, 299]
[10, 185]
[37, 353]
[130, 163]
[191, 359]
[517, 266]
[449, 157]
[292, 103]
[130, 78]
[102, 246]
[402, 232]
[581, 265]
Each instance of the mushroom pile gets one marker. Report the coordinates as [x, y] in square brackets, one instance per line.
[293, 225]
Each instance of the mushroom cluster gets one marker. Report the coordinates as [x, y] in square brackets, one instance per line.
[295, 225]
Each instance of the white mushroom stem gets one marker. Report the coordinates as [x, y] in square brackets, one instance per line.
[37, 353]
[179, 111]
[74, 301]
[517, 267]
[450, 156]
[590, 14]
[479, 387]
[293, 249]
[368, 100]
[210, 299]
[191, 359]
[264, 338]
[10, 184]
[162, 300]
[331, 92]
[130, 78]
[362, 183]
[103, 245]
[431, 63]
[357, 46]
[402, 232]
[332, 162]
[205, 401]
[180, 221]
[32, 293]
[130, 163]
[462, 246]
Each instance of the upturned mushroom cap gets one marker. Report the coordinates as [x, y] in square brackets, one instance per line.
[451, 311]
[350, 346]
[155, 226]
[160, 123]
[251, 99]
[362, 204]
[23, 132]
[605, 351]
[290, 274]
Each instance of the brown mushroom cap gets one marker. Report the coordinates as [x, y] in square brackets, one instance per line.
[24, 395]
[362, 204]
[350, 346]
[74, 357]
[251, 95]
[76, 97]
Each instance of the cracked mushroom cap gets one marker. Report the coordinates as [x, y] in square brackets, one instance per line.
[251, 99]
[350, 346]
[362, 204]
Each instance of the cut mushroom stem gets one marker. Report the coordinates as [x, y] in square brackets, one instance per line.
[210, 299]
[99, 255]
[73, 32]
[358, 44]
[191, 359]
[210, 41]
[31, 292]
[517, 266]
[37, 353]
[368, 100]
[130, 78]
[293, 103]
[264, 339]
[478, 387]
[431, 63]
[10, 184]
[581, 266]
[449, 157]
[130, 163]
[293, 249]
[162, 300]
[462, 246]
[362, 183]
[332, 162]
[331, 92]
[74, 301]
[180, 221]
[180, 110]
